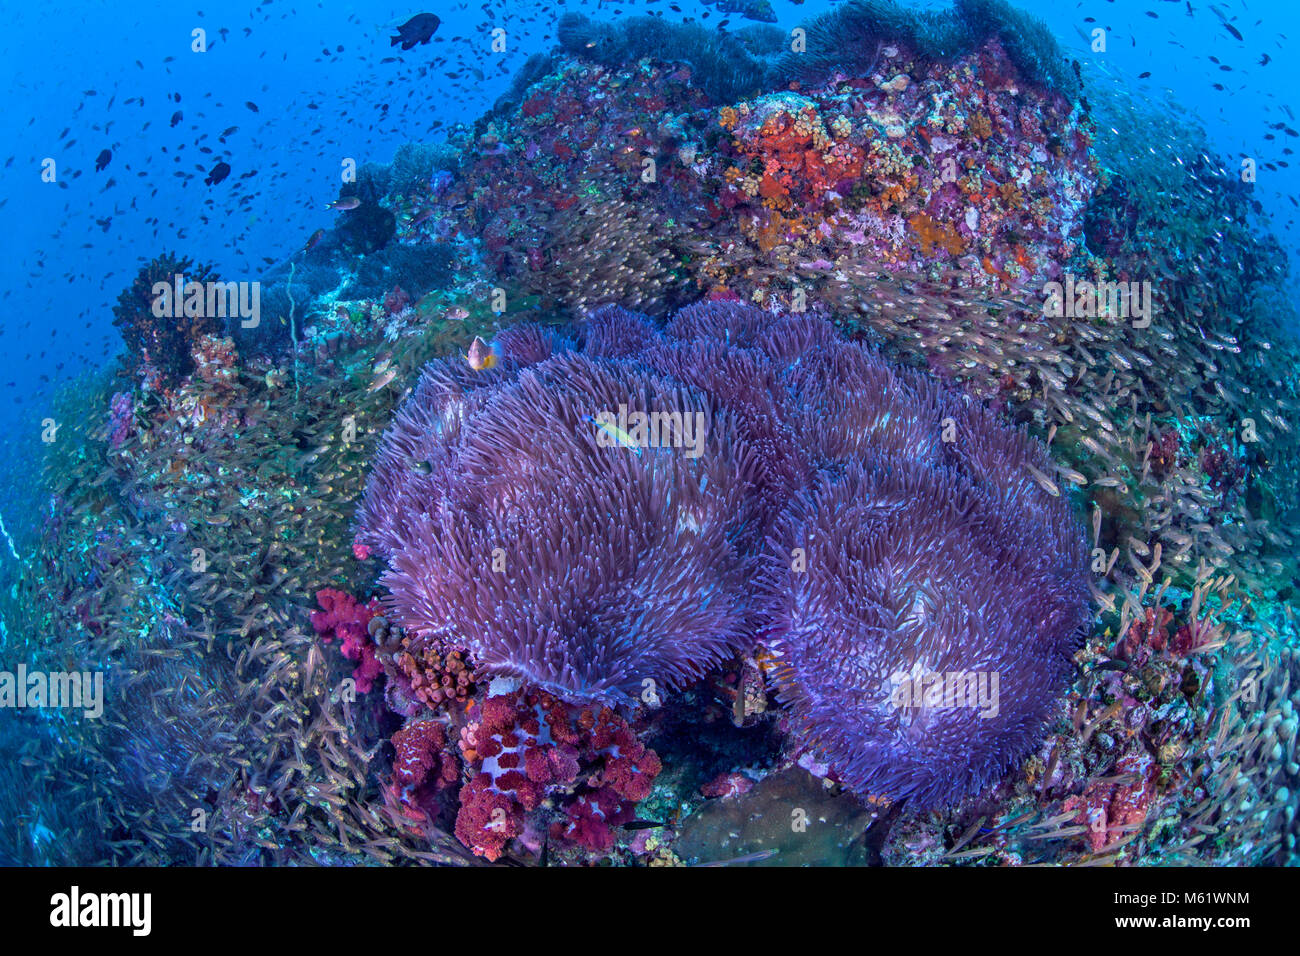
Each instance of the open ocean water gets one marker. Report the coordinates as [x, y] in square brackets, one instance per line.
[650, 433]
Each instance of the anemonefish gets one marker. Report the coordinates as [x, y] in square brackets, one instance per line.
[481, 355]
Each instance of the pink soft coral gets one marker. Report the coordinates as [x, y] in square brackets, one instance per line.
[343, 617]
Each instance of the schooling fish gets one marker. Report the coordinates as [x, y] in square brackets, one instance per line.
[102, 160]
[482, 356]
[419, 29]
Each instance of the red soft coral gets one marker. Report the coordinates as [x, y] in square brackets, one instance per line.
[591, 765]
[488, 819]
[422, 756]
[589, 820]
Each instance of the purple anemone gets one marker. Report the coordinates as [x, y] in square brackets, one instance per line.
[884, 537]
[549, 550]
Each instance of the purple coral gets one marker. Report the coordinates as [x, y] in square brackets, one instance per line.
[865, 523]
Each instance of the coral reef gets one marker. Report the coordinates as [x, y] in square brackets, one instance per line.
[178, 556]
[849, 38]
[160, 348]
[636, 188]
[719, 64]
[648, 679]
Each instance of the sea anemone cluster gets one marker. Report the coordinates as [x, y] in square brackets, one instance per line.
[770, 485]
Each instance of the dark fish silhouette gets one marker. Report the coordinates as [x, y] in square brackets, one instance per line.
[419, 29]
[219, 172]
[101, 162]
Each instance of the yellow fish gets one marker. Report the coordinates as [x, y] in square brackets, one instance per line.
[615, 433]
